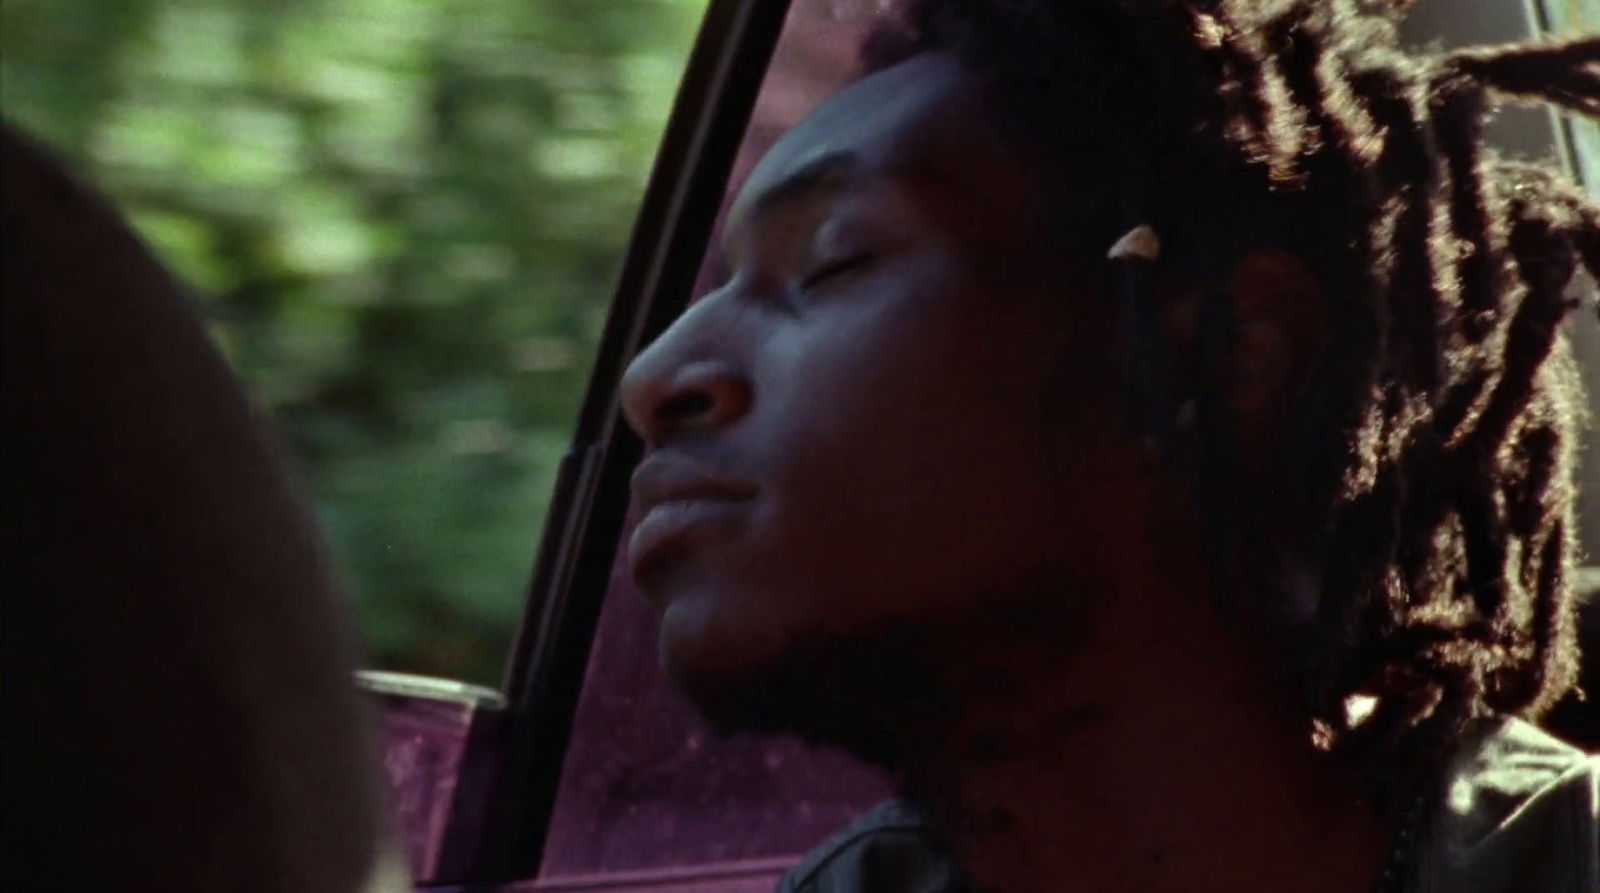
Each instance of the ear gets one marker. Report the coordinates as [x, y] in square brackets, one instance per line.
[1281, 330]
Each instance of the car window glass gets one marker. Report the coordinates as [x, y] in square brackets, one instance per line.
[1580, 147]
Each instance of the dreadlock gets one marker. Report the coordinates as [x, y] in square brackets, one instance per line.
[1430, 468]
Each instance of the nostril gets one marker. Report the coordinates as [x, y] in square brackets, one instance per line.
[684, 406]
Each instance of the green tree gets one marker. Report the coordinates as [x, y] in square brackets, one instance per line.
[403, 219]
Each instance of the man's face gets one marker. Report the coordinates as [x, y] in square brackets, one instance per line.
[891, 414]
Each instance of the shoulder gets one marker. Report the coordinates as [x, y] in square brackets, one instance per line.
[890, 849]
[1518, 812]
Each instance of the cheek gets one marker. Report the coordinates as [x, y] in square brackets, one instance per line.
[915, 465]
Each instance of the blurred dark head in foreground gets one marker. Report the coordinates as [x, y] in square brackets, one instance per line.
[176, 665]
[933, 473]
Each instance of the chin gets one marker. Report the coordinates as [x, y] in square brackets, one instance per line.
[867, 692]
[723, 667]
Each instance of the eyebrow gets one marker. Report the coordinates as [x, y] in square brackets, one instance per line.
[819, 173]
[825, 171]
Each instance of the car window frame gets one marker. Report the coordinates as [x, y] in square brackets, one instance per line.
[584, 519]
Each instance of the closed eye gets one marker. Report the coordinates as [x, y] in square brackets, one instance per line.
[836, 269]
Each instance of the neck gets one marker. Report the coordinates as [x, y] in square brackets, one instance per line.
[1171, 761]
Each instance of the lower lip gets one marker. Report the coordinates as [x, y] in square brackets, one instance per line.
[672, 523]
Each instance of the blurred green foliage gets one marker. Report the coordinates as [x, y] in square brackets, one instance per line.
[402, 219]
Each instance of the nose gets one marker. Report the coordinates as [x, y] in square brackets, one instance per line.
[665, 396]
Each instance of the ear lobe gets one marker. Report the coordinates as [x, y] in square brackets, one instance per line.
[1263, 361]
[1280, 315]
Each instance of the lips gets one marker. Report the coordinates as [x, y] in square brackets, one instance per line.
[678, 501]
